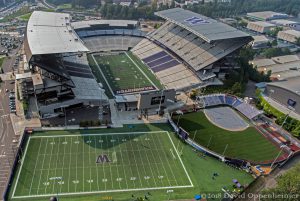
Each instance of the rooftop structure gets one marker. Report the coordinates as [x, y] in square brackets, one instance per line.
[104, 23]
[50, 33]
[206, 28]
[289, 35]
[267, 15]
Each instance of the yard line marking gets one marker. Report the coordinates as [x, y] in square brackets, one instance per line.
[132, 173]
[161, 161]
[22, 162]
[41, 174]
[109, 191]
[36, 162]
[140, 178]
[141, 70]
[157, 168]
[103, 75]
[103, 165]
[150, 165]
[90, 163]
[62, 172]
[76, 165]
[169, 165]
[187, 174]
[52, 145]
[70, 165]
[96, 163]
[123, 163]
[56, 162]
[112, 140]
[111, 177]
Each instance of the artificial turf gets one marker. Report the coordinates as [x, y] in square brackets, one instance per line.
[199, 168]
[123, 74]
[248, 144]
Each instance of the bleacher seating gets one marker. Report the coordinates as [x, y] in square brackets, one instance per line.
[221, 99]
[166, 67]
[111, 43]
[192, 49]
[128, 32]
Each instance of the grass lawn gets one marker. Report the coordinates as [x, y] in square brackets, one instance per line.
[143, 162]
[25, 17]
[123, 74]
[248, 144]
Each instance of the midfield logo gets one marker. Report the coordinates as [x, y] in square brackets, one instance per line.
[103, 158]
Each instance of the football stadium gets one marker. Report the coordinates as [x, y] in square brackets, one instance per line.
[189, 153]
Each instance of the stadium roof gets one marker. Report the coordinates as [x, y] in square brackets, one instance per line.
[291, 84]
[204, 27]
[50, 33]
[112, 23]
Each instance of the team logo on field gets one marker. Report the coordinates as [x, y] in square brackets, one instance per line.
[103, 158]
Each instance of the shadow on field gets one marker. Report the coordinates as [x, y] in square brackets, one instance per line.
[107, 140]
[187, 124]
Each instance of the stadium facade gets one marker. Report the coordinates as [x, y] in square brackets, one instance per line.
[188, 51]
[58, 74]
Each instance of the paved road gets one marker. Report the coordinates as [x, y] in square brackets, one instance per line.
[8, 140]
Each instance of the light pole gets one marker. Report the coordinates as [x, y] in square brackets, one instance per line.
[64, 108]
[161, 95]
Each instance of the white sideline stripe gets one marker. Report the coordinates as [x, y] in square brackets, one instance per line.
[187, 174]
[109, 191]
[83, 135]
[21, 168]
[105, 191]
[103, 76]
[141, 70]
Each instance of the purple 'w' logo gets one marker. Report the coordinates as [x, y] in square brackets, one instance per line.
[103, 158]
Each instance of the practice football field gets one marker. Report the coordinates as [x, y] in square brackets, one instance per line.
[123, 74]
[96, 163]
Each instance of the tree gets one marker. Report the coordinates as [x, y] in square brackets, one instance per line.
[297, 41]
[287, 184]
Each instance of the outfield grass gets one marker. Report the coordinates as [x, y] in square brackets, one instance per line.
[248, 144]
[66, 156]
[123, 74]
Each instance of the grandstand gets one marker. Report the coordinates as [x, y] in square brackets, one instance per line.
[223, 99]
[111, 43]
[60, 76]
[191, 46]
[168, 69]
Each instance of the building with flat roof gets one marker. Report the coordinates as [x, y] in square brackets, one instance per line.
[289, 35]
[267, 15]
[260, 41]
[260, 26]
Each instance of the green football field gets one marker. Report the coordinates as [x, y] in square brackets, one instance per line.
[100, 163]
[124, 74]
[248, 144]
[140, 159]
